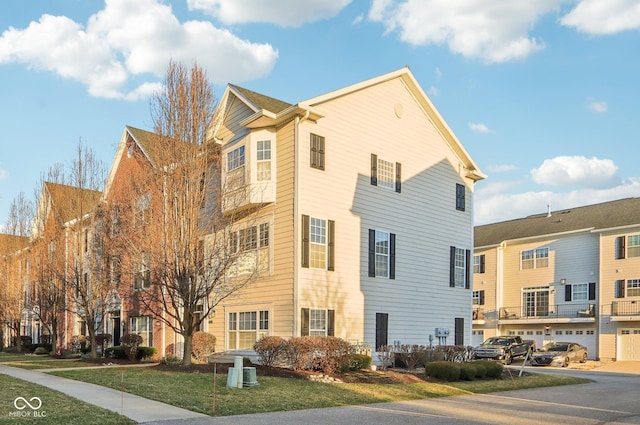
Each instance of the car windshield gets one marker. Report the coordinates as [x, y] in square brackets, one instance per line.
[496, 341]
[555, 347]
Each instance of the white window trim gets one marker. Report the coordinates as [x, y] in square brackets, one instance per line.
[383, 256]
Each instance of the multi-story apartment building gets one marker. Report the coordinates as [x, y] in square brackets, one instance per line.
[366, 198]
[364, 227]
[568, 275]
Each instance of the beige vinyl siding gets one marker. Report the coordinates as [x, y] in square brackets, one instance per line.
[235, 113]
[612, 270]
[574, 258]
[487, 282]
[419, 299]
[272, 292]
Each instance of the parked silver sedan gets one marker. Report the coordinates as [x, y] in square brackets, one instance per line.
[559, 354]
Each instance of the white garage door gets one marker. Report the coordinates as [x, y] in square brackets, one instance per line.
[629, 344]
[477, 338]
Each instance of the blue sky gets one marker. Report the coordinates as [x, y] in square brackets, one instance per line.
[543, 94]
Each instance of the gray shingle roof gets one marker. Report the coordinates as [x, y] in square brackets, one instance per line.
[262, 101]
[623, 212]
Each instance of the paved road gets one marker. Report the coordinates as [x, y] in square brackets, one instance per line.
[612, 398]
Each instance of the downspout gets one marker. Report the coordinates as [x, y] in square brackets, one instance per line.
[296, 246]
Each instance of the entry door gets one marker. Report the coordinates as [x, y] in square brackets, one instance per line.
[116, 330]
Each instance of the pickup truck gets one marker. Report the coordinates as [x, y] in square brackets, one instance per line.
[504, 348]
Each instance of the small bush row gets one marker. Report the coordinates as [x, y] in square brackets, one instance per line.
[322, 353]
[125, 352]
[449, 371]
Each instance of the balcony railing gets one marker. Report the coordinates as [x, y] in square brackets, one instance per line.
[555, 311]
[625, 308]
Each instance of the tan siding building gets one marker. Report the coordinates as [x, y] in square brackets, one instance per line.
[570, 275]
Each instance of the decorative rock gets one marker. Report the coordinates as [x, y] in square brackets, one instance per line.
[326, 379]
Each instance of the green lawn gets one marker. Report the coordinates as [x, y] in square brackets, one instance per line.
[193, 391]
[56, 408]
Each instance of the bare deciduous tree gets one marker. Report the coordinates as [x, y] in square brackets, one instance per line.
[14, 284]
[186, 243]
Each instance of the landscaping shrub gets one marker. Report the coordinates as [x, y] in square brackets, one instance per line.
[40, 351]
[130, 343]
[123, 352]
[145, 352]
[116, 352]
[171, 360]
[270, 350]
[481, 369]
[298, 352]
[356, 362]
[329, 353]
[410, 355]
[468, 371]
[102, 340]
[203, 345]
[494, 369]
[447, 371]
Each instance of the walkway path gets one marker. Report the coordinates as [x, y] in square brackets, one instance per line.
[132, 406]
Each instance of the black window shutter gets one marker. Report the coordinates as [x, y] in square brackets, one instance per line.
[460, 195]
[304, 328]
[372, 253]
[305, 241]
[620, 247]
[331, 322]
[392, 255]
[382, 329]
[481, 301]
[398, 177]
[620, 288]
[459, 331]
[482, 263]
[567, 293]
[452, 267]
[592, 290]
[374, 169]
[331, 245]
[321, 153]
[314, 150]
[467, 269]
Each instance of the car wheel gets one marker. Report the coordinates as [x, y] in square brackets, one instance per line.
[584, 358]
[565, 362]
[507, 358]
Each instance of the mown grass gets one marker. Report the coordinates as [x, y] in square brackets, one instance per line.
[193, 391]
[56, 407]
[30, 361]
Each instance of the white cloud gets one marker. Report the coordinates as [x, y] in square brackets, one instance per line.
[504, 168]
[599, 17]
[479, 128]
[358, 19]
[128, 39]
[3, 174]
[599, 107]
[493, 208]
[438, 74]
[486, 29]
[576, 170]
[433, 91]
[284, 13]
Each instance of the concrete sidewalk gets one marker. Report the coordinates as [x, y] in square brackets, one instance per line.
[132, 406]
